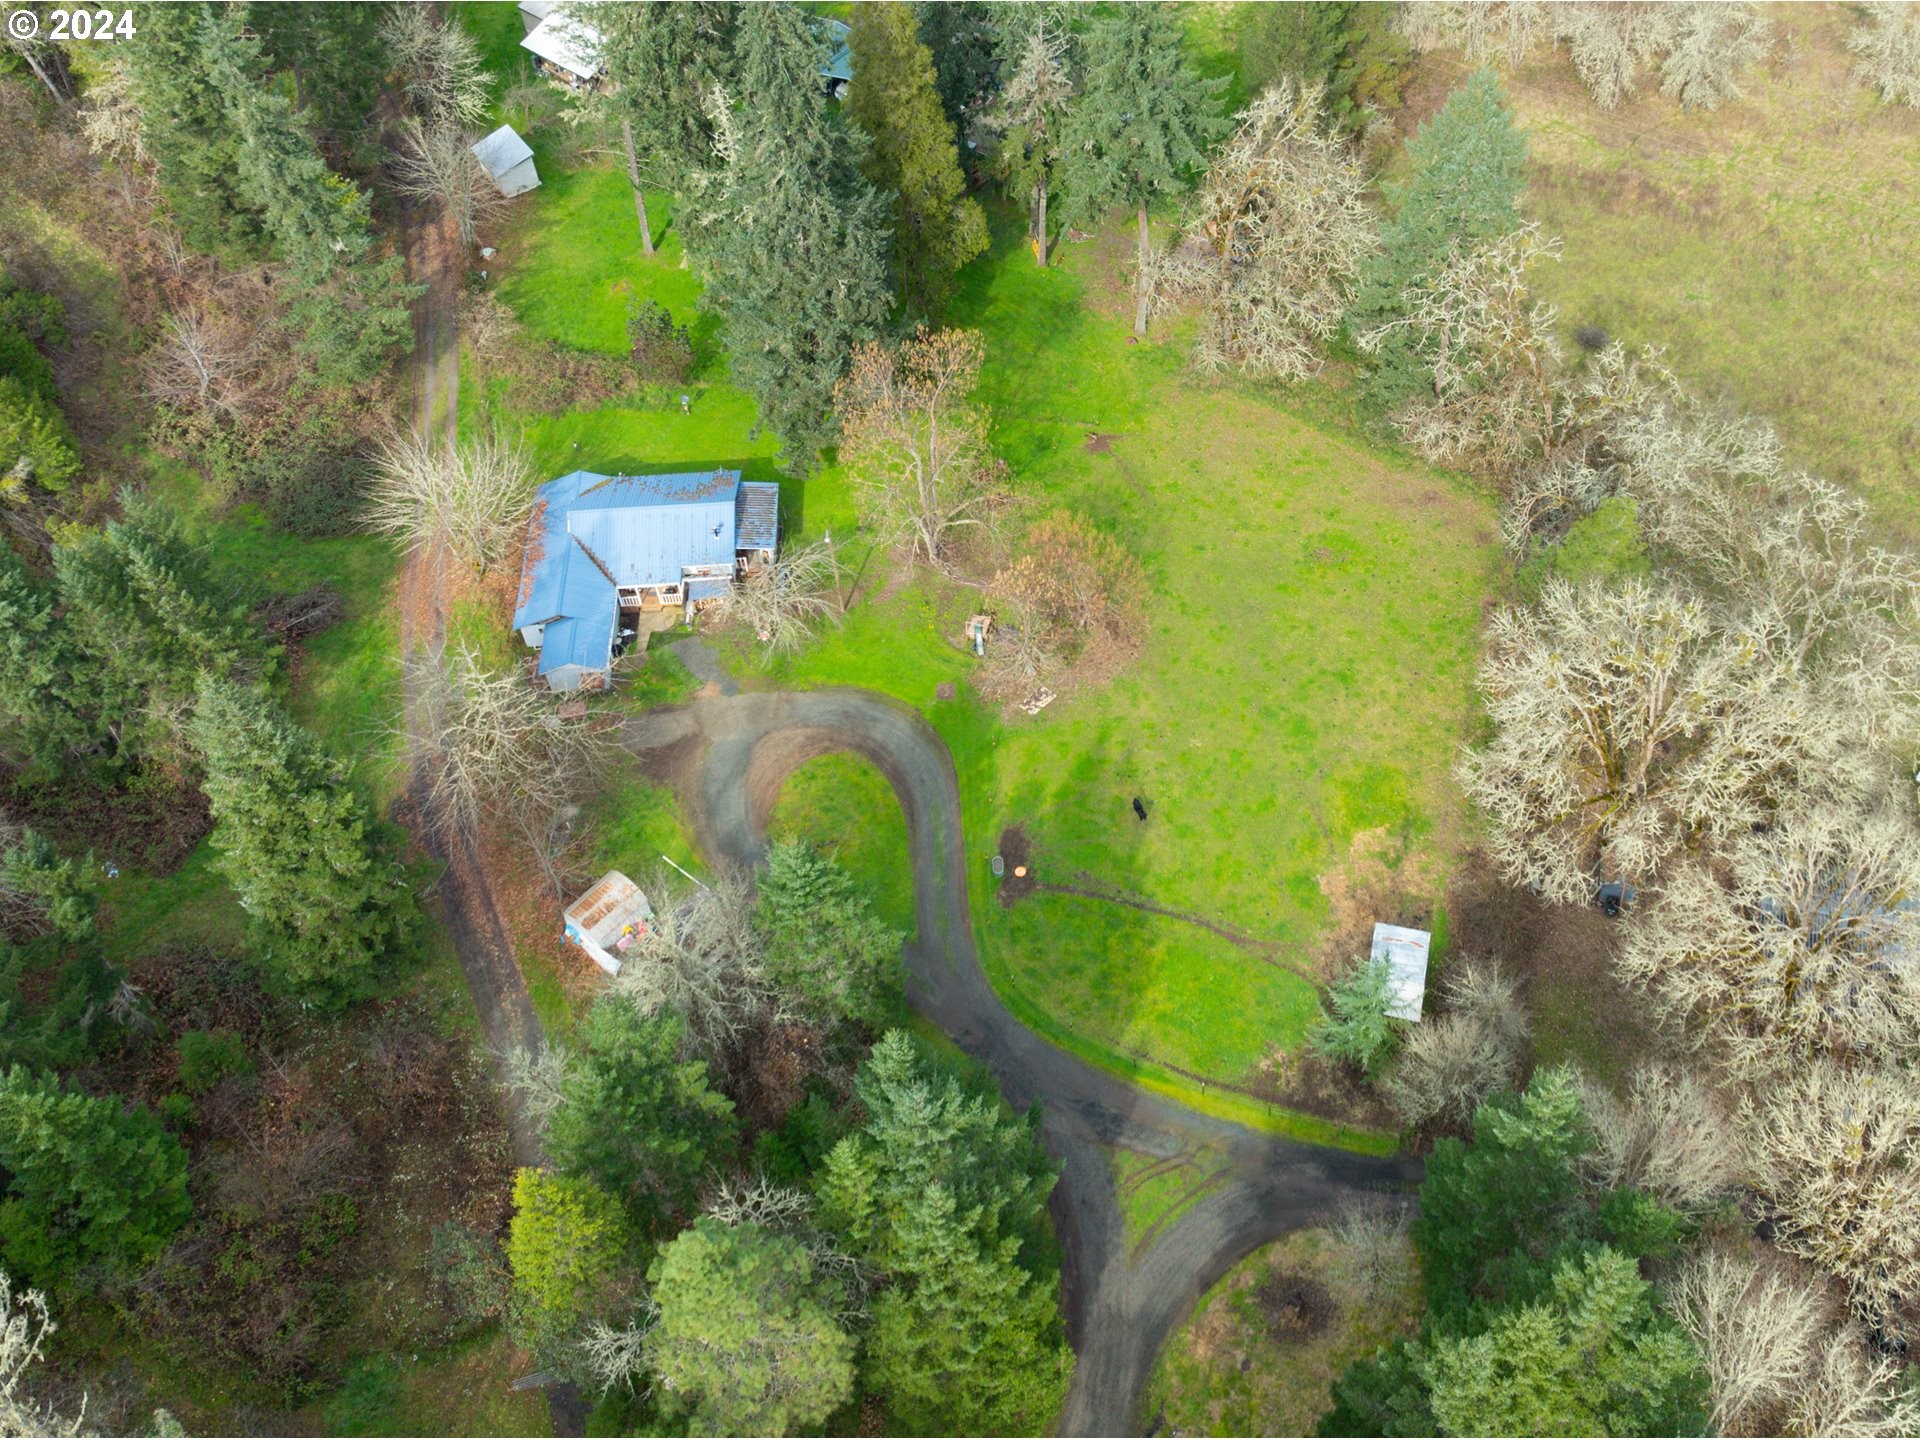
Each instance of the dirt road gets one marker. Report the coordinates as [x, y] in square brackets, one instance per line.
[733, 752]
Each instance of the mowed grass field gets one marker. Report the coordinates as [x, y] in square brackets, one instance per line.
[1305, 673]
[1772, 245]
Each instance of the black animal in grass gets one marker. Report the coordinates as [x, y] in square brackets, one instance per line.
[1139, 808]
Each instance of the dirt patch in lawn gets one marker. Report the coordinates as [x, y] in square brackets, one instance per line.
[1295, 1304]
[1382, 877]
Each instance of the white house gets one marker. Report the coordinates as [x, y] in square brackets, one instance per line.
[508, 160]
[609, 920]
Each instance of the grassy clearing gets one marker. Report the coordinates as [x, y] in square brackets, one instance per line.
[460, 1391]
[1155, 1192]
[843, 805]
[1306, 669]
[1770, 245]
[1255, 1360]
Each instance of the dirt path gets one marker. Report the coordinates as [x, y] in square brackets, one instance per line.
[472, 918]
[733, 752]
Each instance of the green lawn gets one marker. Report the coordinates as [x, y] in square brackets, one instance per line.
[843, 805]
[1769, 245]
[1306, 669]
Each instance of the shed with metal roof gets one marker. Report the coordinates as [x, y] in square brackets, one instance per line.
[609, 919]
[1405, 953]
[508, 161]
[569, 49]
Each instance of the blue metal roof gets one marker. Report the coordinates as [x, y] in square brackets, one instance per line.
[839, 65]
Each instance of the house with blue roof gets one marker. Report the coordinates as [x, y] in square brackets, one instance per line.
[600, 547]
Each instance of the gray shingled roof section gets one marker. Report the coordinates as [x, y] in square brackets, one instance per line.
[756, 510]
[501, 151]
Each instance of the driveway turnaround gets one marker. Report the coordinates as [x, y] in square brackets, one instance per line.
[732, 752]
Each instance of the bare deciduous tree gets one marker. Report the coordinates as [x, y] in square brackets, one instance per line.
[201, 360]
[1761, 1328]
[1671, 1136]
[1887, 40]
[1449, 1064]
[110, 116]
[1708, 44]
[539, 1078]
[916, 448]
[1281, 229]
[1831, 1149]
[24, 1328]
[1073, 599]
[435, 165]
[474, 500]
[1798, 945]
[439, 63]
[494, 745]
[613, 1355]
[782, 601]
[1497, 396]
[1369, 1251]
[1854, 1390]
[702, 957]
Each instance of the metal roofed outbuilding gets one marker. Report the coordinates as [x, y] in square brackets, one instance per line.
[1405, 952]
[508, 161]
[566, 45]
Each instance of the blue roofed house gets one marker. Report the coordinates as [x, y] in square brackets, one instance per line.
[603, 546]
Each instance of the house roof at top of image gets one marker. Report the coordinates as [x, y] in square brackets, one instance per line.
[591, 532]
[1405, 952]
[571, 44]
[839, 65]
[501, 151]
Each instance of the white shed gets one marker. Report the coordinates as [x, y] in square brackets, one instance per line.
[509, 160]
[532, 12]
[1405, 952]
[609, 919]
[566, 49]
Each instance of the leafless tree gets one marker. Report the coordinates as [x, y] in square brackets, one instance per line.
[201, 361]
[1671, 1136]
[1831, 1150]
[1281, 228]
[439, 64]
[1449, 1064]
[1602, 700]
[916, 448]
[1854, 1390]
[1709, 42]
[757, 1201]
[1481, 28]
[435, 165]
[1497, 397]
[1019, 662]
[613, 1355]
[702, 957]
[1761, 1328]
[1369, 1251]
[110, 115]
[1798, 945]
[1887, 40]
[474, 500]
[494, 745]
[783, 601]
[24, 1327]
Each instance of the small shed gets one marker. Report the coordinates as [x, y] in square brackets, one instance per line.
[508, 160]
[1405, 952]
[609, 919]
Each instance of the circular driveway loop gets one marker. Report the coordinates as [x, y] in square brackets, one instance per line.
[1119, 1307]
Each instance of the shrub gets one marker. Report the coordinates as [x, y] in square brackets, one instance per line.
[662, 351]
[1354, 1026]
[208, 1056]
[1448, 1065]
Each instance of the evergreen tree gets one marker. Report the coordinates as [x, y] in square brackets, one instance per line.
[937, 228]
[942, 1192]
[1030, 111]
[1348, 46]
[184, 126]
[1462, 187]
[60, 1029]
[142, 613]
[748, 1342]
[89, 1182]
[966, 40]
[36, 446]
[41, 672]
[825, 946]
[1141, 125]
[664, 58]
[567, 1247]
[338, 62]
[325, 907]
[791, 235]
[637, 1115]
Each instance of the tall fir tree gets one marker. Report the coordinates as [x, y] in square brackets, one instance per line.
[1141, 125]
[1462, 187]
[792, 237]
[89, 1182]
[1030, 111]
[937, 228]
[338, 62]
[328, 911]
[967, 41]
[664, 58]
[43, 693]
